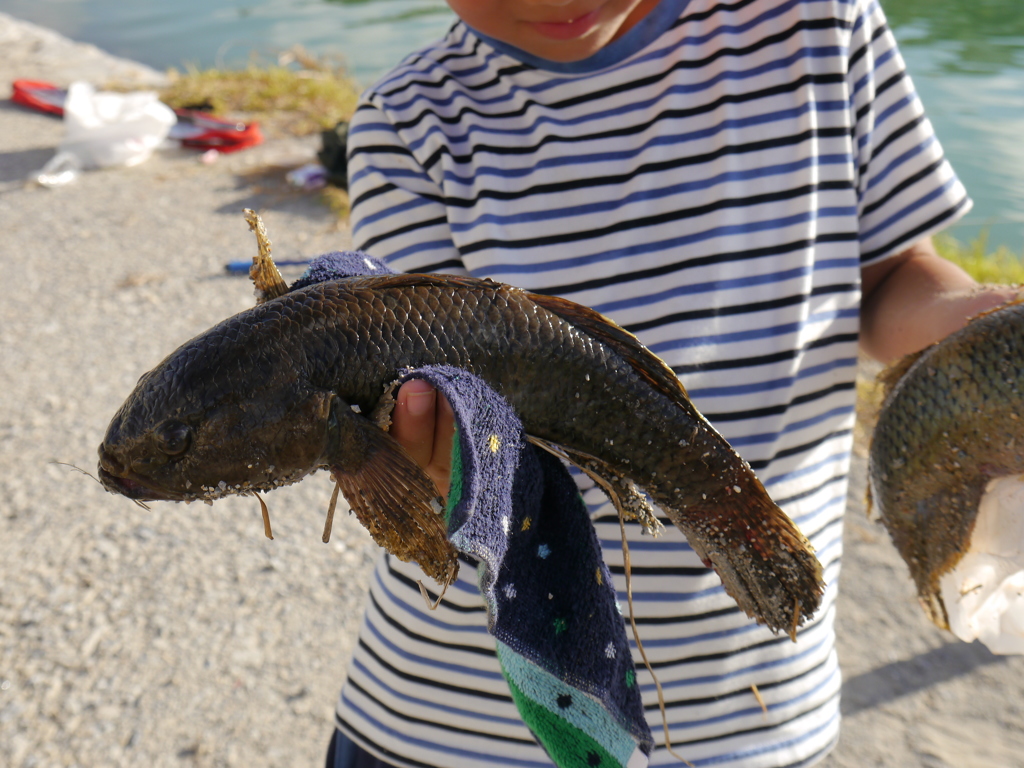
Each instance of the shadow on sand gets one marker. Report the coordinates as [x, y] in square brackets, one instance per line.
[901, 678]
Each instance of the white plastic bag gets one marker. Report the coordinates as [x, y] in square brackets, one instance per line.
[984, 593]
[106, 129]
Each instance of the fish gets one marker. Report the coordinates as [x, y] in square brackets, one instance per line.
[300, 382]
[950, 425]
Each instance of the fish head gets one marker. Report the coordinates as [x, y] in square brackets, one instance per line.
[219, 416]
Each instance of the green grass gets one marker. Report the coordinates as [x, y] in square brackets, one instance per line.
[286, 100]
[999, 266]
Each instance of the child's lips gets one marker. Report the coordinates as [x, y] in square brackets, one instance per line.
[567, 30]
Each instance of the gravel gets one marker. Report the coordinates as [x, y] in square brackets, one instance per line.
[180, 636]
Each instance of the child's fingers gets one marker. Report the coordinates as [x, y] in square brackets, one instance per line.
[413, 420]
[423, 423]
[440, 468]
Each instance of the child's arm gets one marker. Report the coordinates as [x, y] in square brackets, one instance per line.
[399, 214]
[917, 298]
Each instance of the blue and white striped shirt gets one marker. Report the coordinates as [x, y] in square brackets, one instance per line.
[713, 180]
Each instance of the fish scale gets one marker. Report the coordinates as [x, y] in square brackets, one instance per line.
[272, 387]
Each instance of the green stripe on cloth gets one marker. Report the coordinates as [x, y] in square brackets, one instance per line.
[572, 726]
[455, 483]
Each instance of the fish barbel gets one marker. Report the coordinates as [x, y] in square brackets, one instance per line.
[950, 426]
[287, 387]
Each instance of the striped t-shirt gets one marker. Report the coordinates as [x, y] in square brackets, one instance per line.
[713, 181]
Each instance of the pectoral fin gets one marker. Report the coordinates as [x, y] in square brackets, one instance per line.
[393, 498]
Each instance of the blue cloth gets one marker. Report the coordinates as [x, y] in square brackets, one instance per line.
[551, 606]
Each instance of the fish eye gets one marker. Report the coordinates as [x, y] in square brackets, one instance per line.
[173, 437]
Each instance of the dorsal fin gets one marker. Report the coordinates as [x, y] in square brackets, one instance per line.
[651, 367]
[417, 279]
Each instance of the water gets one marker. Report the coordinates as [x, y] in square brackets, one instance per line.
[966, 58]
[967, 61]
[370, 35]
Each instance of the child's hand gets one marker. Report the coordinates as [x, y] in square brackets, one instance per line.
[423, 422]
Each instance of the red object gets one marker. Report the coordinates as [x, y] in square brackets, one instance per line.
[195, 129]
[38, 95]
[198, 130]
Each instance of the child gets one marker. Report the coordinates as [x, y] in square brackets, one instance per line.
[749, 187]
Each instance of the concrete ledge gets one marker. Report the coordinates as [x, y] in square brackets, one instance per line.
[31, 51]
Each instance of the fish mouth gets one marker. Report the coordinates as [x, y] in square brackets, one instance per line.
[118, 477]
[137, 490]
[126, 486]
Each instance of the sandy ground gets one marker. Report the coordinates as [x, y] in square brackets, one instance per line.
[181, 636]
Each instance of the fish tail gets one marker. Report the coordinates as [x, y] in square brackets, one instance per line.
[766, 564]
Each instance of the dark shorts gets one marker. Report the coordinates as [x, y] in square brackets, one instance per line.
[345, 753]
